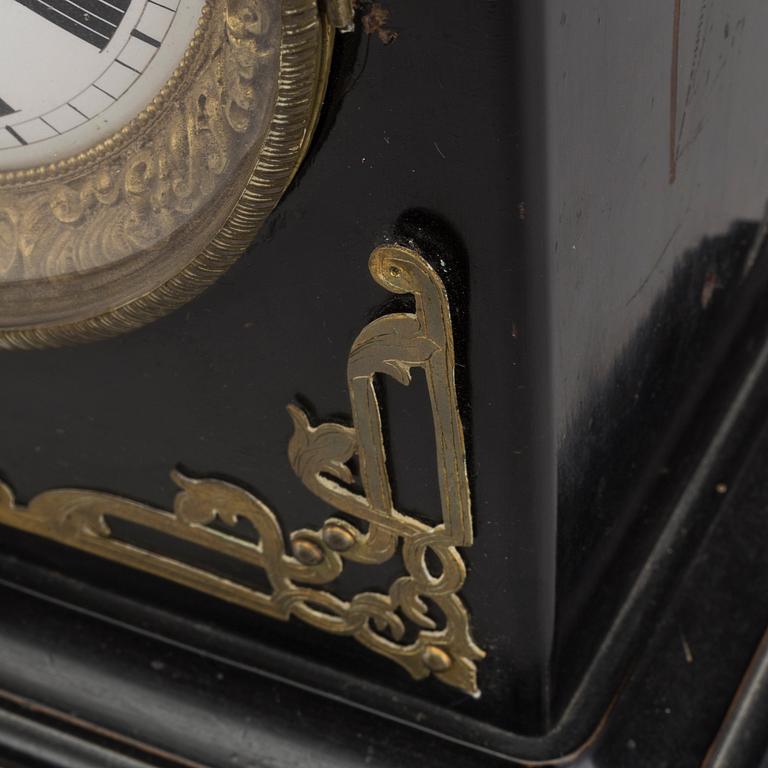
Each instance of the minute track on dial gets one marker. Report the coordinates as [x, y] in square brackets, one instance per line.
[92, 21]
[6, 109]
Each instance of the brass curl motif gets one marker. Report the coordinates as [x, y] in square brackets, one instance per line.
[320, 455]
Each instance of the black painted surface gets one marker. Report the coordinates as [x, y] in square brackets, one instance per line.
[526, 147]
[742, 740]
[695, 662]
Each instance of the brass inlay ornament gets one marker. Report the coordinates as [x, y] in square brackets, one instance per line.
[369, 529]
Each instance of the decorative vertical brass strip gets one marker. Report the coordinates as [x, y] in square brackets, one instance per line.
[391, 345]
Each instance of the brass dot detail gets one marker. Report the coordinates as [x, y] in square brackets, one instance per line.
[436, 658]
[307, 552]
[338, 538]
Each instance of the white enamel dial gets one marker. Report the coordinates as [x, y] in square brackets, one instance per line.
[72, 72]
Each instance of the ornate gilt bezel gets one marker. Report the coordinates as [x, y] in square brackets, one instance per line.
[48, 211]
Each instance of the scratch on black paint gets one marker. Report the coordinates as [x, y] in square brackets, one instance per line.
[673, 93]
[698, 49]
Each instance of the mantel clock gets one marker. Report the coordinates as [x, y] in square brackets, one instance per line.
[463, 462]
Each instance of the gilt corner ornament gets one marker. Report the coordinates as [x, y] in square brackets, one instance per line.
[108, 223]
[365, 528]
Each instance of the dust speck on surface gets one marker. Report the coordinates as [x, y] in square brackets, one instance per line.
[375, 20]
[687, 652]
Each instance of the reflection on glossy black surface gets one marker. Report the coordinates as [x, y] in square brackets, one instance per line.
[657, 187]
[619, 449]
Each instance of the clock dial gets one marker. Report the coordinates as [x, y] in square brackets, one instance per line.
[93, 21]
[103, 62]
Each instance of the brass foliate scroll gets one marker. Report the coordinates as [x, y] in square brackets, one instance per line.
[366, 527]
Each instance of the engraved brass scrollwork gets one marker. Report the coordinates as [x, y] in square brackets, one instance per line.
[391, 345]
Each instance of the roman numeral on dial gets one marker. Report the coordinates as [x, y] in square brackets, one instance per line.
[93, 21]
[6, 109]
